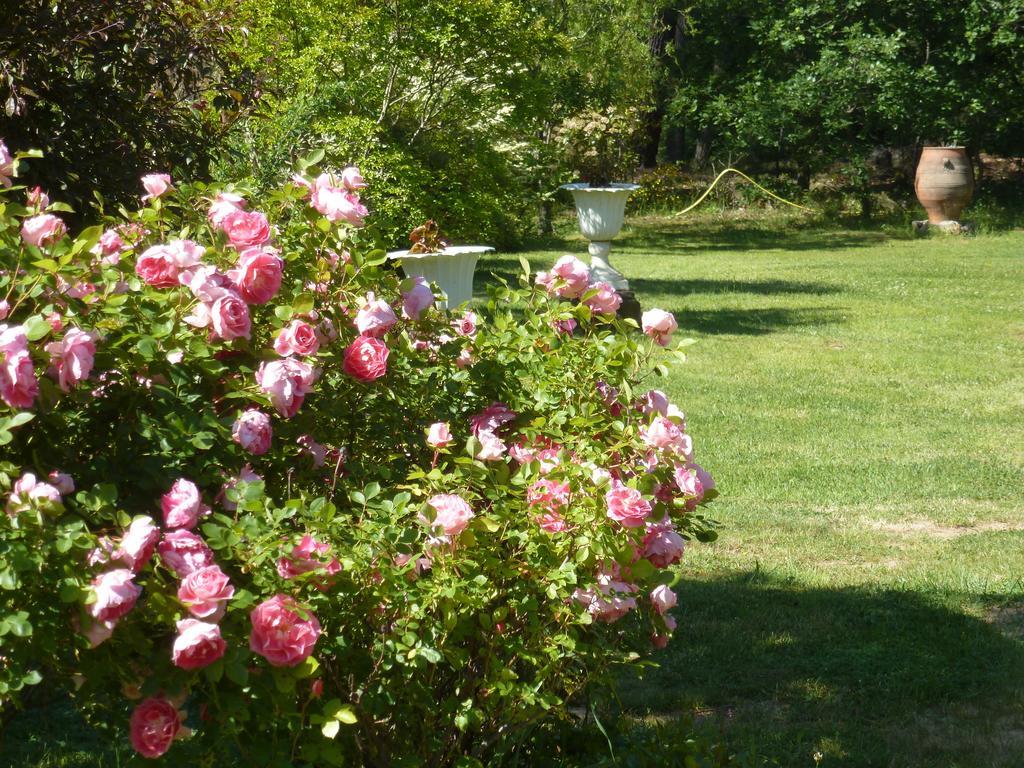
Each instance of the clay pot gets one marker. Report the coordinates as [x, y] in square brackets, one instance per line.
[944, 182]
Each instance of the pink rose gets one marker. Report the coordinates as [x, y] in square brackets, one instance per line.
[37, 199]
[438, 436]
[223, 204]
[138, 543]
[491, 418]
[564, 327]
[154, 725]
[655, 401]
[5, 309]
[452, 513]
[287, 381]
[258, 274]
[663, 599]
[606, 302]
[160, 265]
[115, 594]
[659, 325]
[182, 505]
[197, 645]
[98, 632]
[569, 278]
[283, 632]
[206, 283]
[229, 316]
[18, 383]
[310, 446]
[252, 431]
[13, 339]
[693, 482]
[417, 297]
[375, 318]
[72, 357]
[28, 492]
[552, 522]
[309, 556]
[43, 229]
[665, 435]
[626, 505]
[109, 247]
[297, 338]
[352, 179]
[246, 228]
[491, 446]
[6, 165]
[662, 545]
[548, 494]
[337, 204]
[155, 184]
[464, 360]
[609, 600]
[183, 552]
[465, 325]
[366, 359]
[157, 268]
[64, 483]
[205, 591]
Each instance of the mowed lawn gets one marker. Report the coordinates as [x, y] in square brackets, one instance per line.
[859, 396]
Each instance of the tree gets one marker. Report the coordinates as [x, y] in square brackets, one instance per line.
[106, 89]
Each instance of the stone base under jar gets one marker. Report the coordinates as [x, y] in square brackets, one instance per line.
[948, 227]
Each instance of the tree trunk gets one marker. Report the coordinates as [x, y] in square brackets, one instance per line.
[702, 153]
[665, 26]
[544, 211]
[675, 144]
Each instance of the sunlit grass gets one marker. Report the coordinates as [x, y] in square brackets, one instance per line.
[859, 397]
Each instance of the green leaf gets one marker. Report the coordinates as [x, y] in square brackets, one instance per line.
[330, 728]
[204, 441]
[36, 327]
[18, 419]
[237, 673]
[19, 625]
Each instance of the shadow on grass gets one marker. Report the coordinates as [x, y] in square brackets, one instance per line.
[866, 677]
[754, 321]
[712, 238]
[50, 733]
[754, 287]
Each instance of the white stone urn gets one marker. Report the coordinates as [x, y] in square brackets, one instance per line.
[601, 211]
[452, 269]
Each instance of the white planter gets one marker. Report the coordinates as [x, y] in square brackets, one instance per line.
[601, 212]
[452, 269]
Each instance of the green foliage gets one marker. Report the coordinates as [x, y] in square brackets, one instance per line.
[448, 106]
[107, 89]
[438, 641]
[815, 82]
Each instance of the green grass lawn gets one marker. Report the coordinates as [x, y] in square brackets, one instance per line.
[859, 397]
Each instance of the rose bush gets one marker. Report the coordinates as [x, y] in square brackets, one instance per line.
[265, 503]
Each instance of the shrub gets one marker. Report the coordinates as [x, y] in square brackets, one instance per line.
[105, 88]
[266, 496]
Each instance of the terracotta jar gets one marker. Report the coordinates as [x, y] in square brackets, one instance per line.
[944, 182]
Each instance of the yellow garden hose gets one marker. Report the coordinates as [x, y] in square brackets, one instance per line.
[740, 173]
